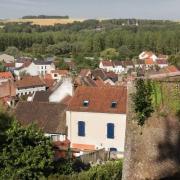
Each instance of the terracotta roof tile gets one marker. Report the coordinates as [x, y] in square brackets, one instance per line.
[149, 61]
[83, 146]
[30, 81]
[107, 63]
[60, 72]
[171, 69]
[6, 75]
[100, 99]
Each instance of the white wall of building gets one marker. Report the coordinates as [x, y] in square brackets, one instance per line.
[56, 137]
[96, 129]
[36, 70]
[31, 90]
[65, 89]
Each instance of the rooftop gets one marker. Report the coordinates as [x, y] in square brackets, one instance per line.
[50, 117]
[99, 99]
[30, 81]
[6, 75]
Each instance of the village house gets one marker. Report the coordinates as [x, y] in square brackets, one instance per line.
[7, 92]
[139, 64]
[118, 67]
[35, 68]
[161, 63]
[58, 93]
[148, 55]
[129, 65]
[149, 64]
[6, 58]
[58, 74]
[29, 85]
[106, 65]
[96, 118]
[5, 76]
[49, 117]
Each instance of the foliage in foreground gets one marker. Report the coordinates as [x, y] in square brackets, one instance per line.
[110, 171]
[25, 153]
[142, 100]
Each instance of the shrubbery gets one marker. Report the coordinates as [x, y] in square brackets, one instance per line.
[112, 170]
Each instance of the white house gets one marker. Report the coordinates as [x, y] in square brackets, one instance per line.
[29, 85]
[118, 67]
[162, 63]
[63, 89]
[106, 65]
[35, 68]
[96, 118]
[147, 55]
[57, 74]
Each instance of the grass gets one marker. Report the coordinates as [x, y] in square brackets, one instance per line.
[166, 95]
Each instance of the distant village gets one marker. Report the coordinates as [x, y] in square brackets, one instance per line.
[84, 111]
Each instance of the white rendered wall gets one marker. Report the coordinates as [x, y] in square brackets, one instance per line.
[65, 89]
[96, 129]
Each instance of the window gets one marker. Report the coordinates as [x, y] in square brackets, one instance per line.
[113, 149]
[81, 128]
[110, 130]
[85, 103]
[113, 104]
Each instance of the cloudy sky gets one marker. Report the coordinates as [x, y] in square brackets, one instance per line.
[149, 9]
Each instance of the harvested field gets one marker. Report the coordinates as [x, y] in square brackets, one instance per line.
[43, 22]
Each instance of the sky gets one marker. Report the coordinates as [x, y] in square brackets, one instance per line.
[90, 9]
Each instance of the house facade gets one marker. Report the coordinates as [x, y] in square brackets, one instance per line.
[36, 68]
[29, 85]
[96, 118]
[106, 65]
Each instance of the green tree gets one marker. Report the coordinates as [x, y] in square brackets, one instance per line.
[26, 153]
[142, 100]
[13, 51]
[109, 53]
[174, 60]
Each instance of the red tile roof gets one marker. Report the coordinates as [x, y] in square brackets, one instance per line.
[83, 146]
[100, 99]
[6, 75]
[107, 63]
[60, 72]
[149, 61]
[30, 81]
[171, 69]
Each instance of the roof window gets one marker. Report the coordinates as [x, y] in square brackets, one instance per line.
[85, 103]
[113, 104]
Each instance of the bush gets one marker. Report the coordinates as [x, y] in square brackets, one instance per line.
[111, 170]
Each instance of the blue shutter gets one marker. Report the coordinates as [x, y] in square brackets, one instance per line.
[81, 128]
[110, 130]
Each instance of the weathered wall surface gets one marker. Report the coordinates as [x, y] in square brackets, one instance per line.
[152, 152]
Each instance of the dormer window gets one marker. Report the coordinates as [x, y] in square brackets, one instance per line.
[113, 104]
[85, 103]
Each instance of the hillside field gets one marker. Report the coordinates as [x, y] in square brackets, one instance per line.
[43, 22]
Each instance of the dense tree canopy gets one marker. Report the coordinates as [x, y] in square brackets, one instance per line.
[25, 153]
